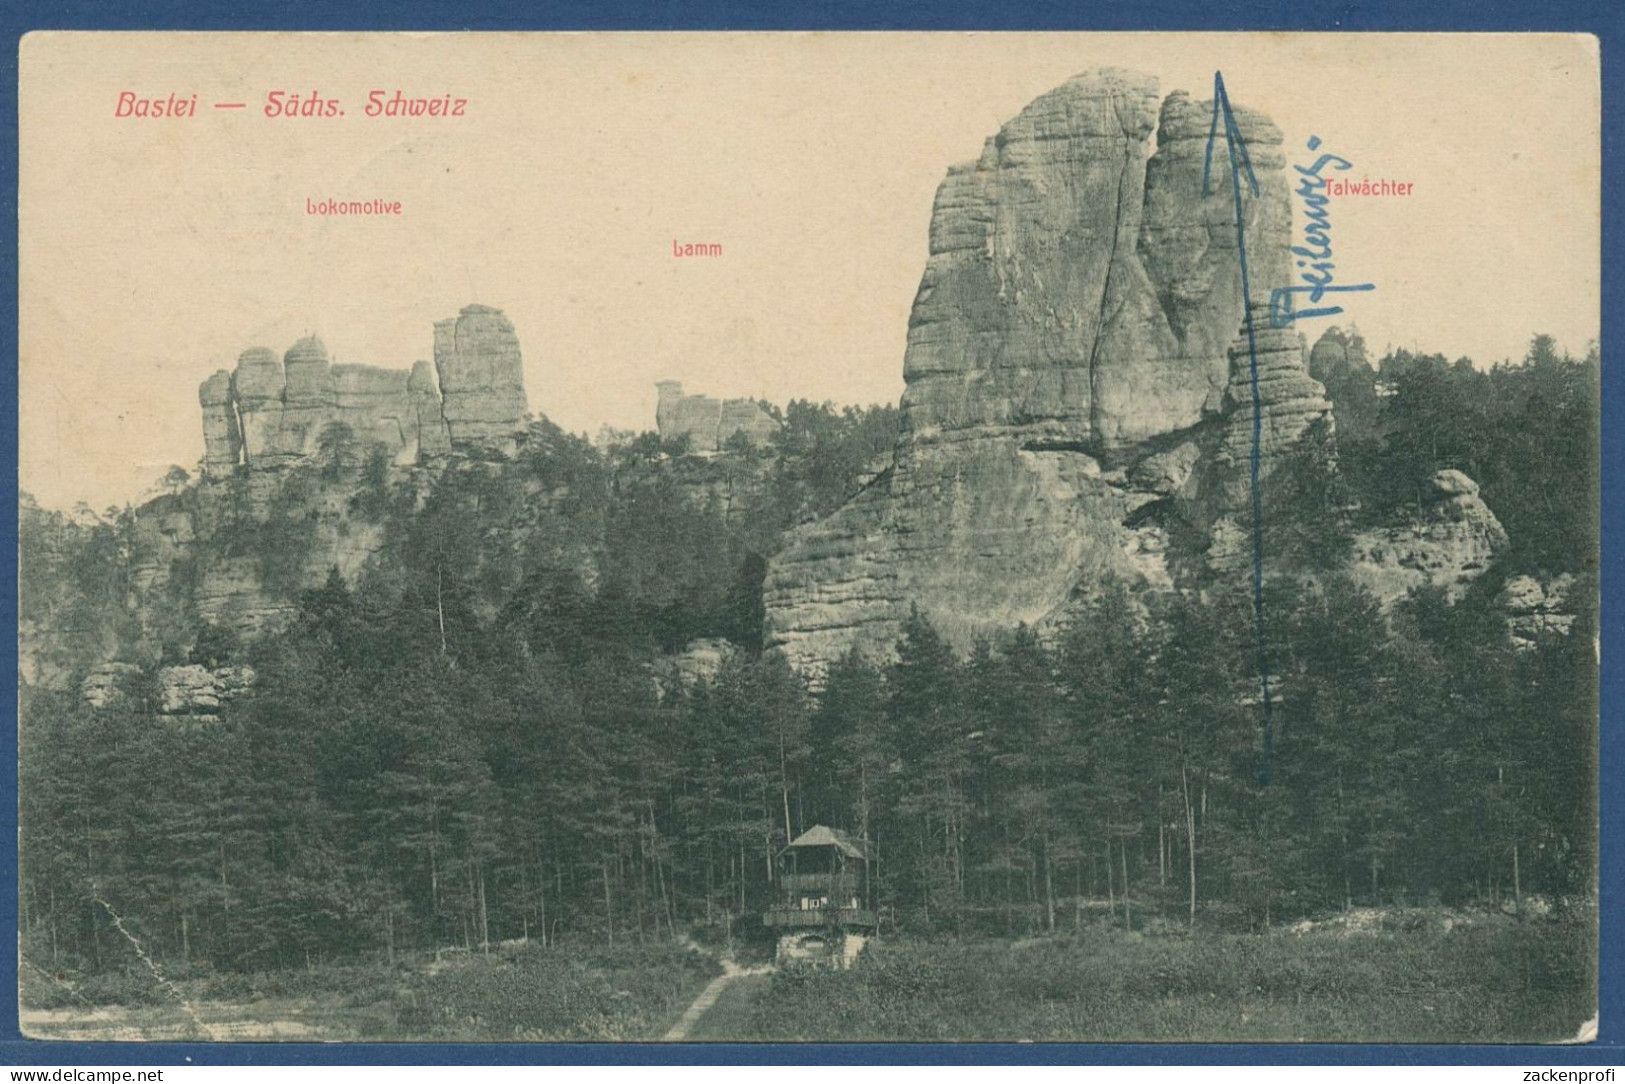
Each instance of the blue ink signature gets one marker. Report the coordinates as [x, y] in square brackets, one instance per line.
[1236, 147]
[1316, 251]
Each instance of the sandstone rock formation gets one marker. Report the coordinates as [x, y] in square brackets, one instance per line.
[108, 684]
[1188, 241]
[700, 660]
[222, 440]
[482, 383]
[184, 692]
[232, 596]
[270, 413]
[1448, 544]
[375, 407]
[163, 535]
[1537, 608]
[423, 387]
[1289, 403]
[199, 692]
[1072, 321]
[1339, 362]
[256, 390]
[1076, 289]
[708, 424]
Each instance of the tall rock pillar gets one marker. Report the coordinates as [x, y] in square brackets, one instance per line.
[1072, 323]
[222, 442]
[482, 380]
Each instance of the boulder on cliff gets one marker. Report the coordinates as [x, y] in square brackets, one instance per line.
[1448, 543]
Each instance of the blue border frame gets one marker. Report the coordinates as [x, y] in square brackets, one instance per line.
[1604, 18]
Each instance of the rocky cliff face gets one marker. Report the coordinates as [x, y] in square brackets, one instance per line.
[482, 384]
[1339, 362]
[1080, 399]
[1290, 401]
[1188, 241]
[1447, 544]
[1073, 321]
[270, 413]
[1538, 607]
[708, 424]
[1078, 287]
[192, 692]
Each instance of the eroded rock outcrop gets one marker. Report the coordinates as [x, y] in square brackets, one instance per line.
[1289, 403]
[232, 594]
[222, 440]
[700, 660]
[1537, 608]
[424, 389]
[1447, 544]
[482, 383]
[376, 407]
[1339, 362]
[707, 424]
[191, 691]
[199, 692]
[269, 413]
[163, 535]
[1075, 286]
[1188, 240]
[1288, 399]
[1072, 320]
[109, 684]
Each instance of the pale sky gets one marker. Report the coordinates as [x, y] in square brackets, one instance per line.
[154, 251]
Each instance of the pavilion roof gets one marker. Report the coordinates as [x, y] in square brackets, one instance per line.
[821, 836]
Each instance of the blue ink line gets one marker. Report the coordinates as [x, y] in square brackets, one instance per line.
[1232, 138]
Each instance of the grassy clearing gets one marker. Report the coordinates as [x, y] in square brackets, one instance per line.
[544, 995]
[1396, 976]
[1404, 977]
[328, 1002]
[522, 993]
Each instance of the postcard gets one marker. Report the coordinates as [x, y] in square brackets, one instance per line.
[1059, 537]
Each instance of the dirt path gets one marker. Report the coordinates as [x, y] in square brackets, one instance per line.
[733, 1018]
[119, 1023]
[708, 997]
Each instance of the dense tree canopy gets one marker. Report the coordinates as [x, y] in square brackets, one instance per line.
[481, 740]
